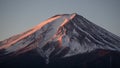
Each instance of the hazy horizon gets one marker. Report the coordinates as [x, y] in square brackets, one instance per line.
[17, 16]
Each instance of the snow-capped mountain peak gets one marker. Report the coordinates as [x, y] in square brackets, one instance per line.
[62, 35]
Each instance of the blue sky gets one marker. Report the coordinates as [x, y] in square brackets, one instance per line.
[17, 16]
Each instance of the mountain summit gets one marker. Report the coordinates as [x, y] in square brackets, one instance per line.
[61, 36]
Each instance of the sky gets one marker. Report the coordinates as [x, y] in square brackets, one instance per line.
[17, 16]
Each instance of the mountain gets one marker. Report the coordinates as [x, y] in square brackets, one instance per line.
[62, 39]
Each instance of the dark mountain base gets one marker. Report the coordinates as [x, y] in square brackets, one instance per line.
[95, 59]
